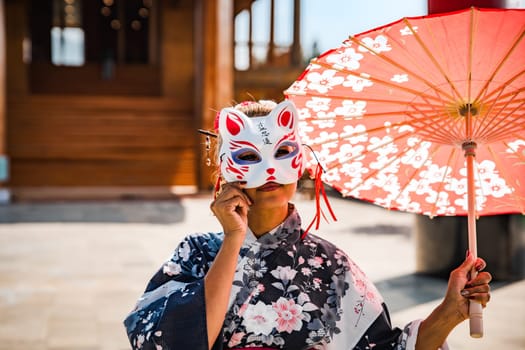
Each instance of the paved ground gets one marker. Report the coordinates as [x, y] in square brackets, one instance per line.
[69, 273]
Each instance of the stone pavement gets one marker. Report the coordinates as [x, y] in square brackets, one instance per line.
[70, 272]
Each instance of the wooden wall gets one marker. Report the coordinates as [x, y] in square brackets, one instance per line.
[70, 140]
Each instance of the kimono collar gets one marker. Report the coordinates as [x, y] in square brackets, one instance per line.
[289, 231]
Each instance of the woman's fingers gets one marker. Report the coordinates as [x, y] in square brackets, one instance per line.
[231, 208]
[478, 289]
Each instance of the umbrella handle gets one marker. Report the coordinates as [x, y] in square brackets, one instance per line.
[476, 319]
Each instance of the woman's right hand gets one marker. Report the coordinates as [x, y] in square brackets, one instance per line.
[231, 209]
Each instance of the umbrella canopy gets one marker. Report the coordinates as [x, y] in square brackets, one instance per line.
[389, 112]
[424, 115]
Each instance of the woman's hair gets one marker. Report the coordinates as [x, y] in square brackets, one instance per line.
[256, 108]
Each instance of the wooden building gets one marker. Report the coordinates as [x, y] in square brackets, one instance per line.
[102, 98]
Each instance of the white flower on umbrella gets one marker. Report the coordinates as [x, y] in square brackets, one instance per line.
[325, 136]
[419, 187]
[324, 123]
[390, 184]
[407, 31]
[304, 113]
[487, 170]
[458, 186]
[440, 199]
[354, 170]
[326, 119]
[318, 104]
[326, 149]
[348, 59]
[514, 146]
[260, 318]
[377, 45]
[416, 157]
[331, 175]
[496, 187]
[404, 129]
[299, 87]
[381, 162]
[399, 78]
[351, 109]
[382, 146]
[322, 82]
[355, 134]
[405, 202]
[357, 83]
[443, 206]
[463, 202]
[351, 153]
[434, 173]
[304, 127]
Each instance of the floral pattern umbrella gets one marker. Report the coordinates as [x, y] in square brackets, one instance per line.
[426, 115]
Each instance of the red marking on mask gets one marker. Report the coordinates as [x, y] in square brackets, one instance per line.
[270, 171]
[238, 172]
[235, 145]
[285, 119]
[297, 161]
[234, 123]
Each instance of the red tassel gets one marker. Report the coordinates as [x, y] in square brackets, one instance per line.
[319, 193]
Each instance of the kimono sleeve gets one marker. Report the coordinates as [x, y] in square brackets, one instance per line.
[171, 313]
[380, 335]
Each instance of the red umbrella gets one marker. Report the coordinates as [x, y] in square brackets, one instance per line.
[425, 115]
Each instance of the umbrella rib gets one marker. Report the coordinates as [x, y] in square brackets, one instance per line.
[436, 64]
[520, 156]
[507, 98]
[493, 121]
[512, 125]
[386, 101]
[511, 122]
[378, 146]
[415, 171]
[439, 131]
[503, 86]
[404, 68]
[503, 59]
[379, 81]
[443, 180]
[373, 130]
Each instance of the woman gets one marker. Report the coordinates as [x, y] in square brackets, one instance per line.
[263, 282]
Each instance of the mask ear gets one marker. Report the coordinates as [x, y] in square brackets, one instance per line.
[231, 122]
[286, 115]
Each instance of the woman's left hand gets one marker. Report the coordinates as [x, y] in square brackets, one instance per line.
[462, 288]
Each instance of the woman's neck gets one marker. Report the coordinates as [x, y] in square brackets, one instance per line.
[262, 221]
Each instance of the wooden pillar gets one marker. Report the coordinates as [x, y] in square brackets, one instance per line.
[270, 58]
[4, 161]
[250, 38]
[214, 72]
[296, 44]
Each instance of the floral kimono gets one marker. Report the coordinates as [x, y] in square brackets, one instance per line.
[288, 293]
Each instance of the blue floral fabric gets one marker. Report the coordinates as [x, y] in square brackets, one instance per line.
[288, 293]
